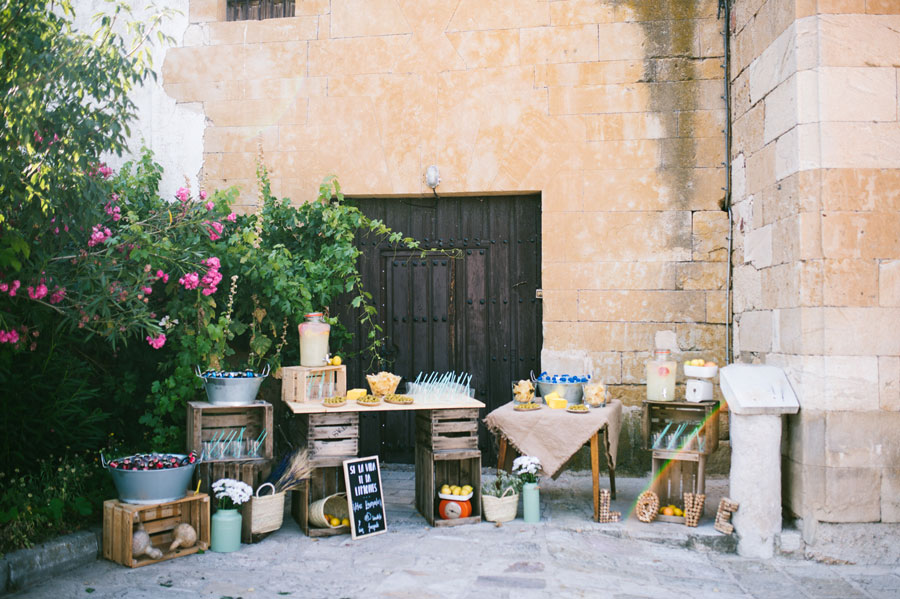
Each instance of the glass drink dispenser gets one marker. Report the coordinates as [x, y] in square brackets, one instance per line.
[314, 340]
[661, 376]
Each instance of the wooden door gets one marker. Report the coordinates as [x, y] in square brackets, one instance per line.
[465, 303]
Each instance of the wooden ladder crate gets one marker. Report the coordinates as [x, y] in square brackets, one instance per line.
[121, 520]
[206, 421]
[452, 467]
[676, 473]
[302, 384]
[656, 415]
[439, 430]
[331, 437]
[323, 481]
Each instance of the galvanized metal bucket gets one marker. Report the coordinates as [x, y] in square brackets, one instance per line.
[151, 486]
[232, 392]
[571, 392]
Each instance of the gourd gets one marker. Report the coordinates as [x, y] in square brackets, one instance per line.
[185, 536]
[141, 545]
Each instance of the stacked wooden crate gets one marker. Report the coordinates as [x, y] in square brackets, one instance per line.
[447, 453]
[680, 470]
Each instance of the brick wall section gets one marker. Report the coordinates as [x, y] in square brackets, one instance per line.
[817, 240]
[612, 110]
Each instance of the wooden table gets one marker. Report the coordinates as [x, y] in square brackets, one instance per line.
[446, 447]
[540, 420]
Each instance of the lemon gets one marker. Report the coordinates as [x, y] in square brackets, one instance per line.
[335, 521]
[345, 522]
[445, 489]
[678, 511]
[336, 361]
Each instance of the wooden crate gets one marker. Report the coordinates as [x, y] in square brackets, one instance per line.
[657, 414]
[676, 473]
[301, 384]
[322, 482]
[331, 437]
[252, 472]
[121, 520]
[206, 421]
[440, 430]
[454, 467]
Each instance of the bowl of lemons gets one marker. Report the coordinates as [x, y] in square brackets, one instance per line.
[456, 493]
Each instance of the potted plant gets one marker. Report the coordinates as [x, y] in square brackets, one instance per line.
[527, 468]
[500, 497]
[226, 522]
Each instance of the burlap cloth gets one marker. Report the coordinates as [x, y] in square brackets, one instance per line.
[553, 436]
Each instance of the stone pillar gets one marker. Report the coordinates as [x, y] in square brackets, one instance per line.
[756, 482]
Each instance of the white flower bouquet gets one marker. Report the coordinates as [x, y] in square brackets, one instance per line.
[527, 468]
[231, 493]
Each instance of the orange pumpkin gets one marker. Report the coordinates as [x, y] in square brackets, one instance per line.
[451, 509]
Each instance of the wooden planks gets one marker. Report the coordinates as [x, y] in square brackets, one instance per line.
[301, 384]
[331, 437]
[323, 481]
[206, 421]
[675, 473]
[447, 429]
[434, 469]
[121, 520]
[656, 415]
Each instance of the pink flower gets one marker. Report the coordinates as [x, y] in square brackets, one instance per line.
[99, 234]
[12, 289]
[218, 227]
[213, 236]
[105, 171]
[37, 293]
[161, 275]
[212, 262]
[37, 137]
[158, 341]
[114, 211]
[9, 336]
[209, 205]
[190, 280]
[183, 194]
[147, 290]
[231, 217]
[4, 287]
[58, 294]
[203, 194]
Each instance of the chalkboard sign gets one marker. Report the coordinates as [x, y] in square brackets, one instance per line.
[365, 502]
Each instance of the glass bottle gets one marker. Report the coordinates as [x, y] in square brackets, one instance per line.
[661, 372]
[314, 340]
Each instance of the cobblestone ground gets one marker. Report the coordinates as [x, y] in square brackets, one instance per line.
[566, 555]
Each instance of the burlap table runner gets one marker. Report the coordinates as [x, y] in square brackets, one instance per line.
[553, 436]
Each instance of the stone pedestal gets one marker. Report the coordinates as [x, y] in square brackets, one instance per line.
[756, 482]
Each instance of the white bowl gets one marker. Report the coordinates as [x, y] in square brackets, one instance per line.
[701, 372]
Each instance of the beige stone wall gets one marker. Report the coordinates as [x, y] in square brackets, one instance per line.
[817, 239]
[612, 110]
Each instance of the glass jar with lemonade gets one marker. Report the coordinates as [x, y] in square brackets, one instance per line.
[661, 376]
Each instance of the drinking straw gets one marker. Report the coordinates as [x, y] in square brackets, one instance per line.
[662, 436]
[197, 490]
[321, 383]
[418, 377]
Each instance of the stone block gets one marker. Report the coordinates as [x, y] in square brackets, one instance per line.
[630, 41]
[716, 306]
[480, 49]
[851, 383]
[606, 366]
[614, 98]
[851, 495]
[798, 150]
[619, 336]
[840, 6]
[866, 235]
[564, 336]
[630, 125]
[701, 123]
[861, 189]
[356, 55]
[861, 331]
[704, 338]
[811, 282]
[761, 168]
[862, 439]
[276, 59]
[709, 232]
[591, 73]
[685, 152]
[859, 40]
[705, 94]
[580, 12]
[801, 330]
[857, 93]
[634, 367]
[588, 236]
[747, 288]
[360, 18]
[220, 63]
[701, 275]
[576, 43]
[311, 7]
[473, 15]
[859, 144]
[560, 305]
[889, 283]
[289, 29]
[780, 285]
[889, 383]
[610, 275]
[650, 306]
[890, 495]
[850, 282]
[204, 11]
[653, 189]
[30, 566]
[754, 331]
[804, 438]
[882, 7]
[226, 32]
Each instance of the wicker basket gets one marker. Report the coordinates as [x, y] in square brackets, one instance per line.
[333, 505]
[265, 513]
[500, 509]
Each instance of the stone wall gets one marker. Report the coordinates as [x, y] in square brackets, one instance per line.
[612, 110]
[817, 240]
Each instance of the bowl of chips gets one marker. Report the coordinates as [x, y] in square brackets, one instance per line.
[383, 383]
[523, 391]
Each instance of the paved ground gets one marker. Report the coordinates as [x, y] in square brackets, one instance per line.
[566, 555]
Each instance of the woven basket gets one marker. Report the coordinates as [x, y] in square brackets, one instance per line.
[333, 505]
[265, 513]
[500, 509]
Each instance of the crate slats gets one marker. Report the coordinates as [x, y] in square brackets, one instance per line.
[323, 481]
[656, 415]
[453, 468]
[206, 421]
[330, 436]
[675, 474]
[447, 429]
[121, 520]
[301, 384]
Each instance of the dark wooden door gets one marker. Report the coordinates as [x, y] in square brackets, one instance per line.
[465, 303]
